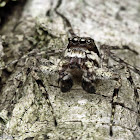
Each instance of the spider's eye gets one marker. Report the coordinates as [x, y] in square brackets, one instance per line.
[75, 40]
[88, 41]
[82, 40]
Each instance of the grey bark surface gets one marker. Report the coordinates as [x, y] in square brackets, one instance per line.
[24, 111]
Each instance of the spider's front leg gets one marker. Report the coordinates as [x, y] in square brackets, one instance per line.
[65, 77]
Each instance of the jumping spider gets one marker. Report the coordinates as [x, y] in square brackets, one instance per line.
[82, 60]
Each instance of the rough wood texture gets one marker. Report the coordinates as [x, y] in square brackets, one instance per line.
[25, 113]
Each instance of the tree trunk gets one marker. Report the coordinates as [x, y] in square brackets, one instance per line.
[31, 102]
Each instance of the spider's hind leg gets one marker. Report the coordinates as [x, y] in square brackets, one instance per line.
[124, 47]
[43, 90]
[105, 74]
[130, 79]
[127, 68]
[114, 101]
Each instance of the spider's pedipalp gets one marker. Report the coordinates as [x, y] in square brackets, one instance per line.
[88, 86]
[66, 84]
[88, 82]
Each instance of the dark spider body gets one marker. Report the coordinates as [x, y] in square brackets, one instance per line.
[81, 53]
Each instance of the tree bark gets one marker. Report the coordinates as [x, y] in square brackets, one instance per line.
[28, 37]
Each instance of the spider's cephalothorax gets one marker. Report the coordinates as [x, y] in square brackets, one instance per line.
[80, 59]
